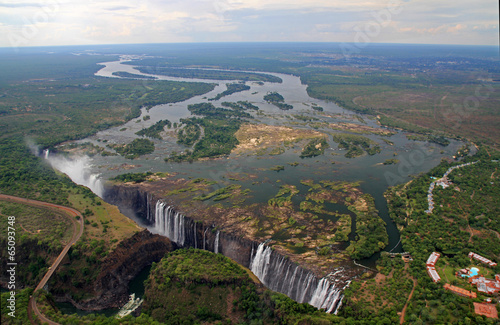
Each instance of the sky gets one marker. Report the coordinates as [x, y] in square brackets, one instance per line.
[77, 22]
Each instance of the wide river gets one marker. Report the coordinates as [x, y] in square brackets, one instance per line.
[415, 156]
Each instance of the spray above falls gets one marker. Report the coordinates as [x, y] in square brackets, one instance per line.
[78, 169]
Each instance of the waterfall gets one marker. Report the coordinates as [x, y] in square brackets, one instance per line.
[169, 223]
[46, 153]
[194, 235]
[280, 274]
[204, 242]
[78, 169]
[274, 270]
[216, 243]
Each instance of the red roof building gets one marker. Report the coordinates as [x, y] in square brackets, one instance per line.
[431, 261]
[433, 274]
[486, 285]
[482, 259]
[460, 291]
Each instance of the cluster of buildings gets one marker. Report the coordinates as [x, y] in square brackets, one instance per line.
[443, 182]
[488, 286]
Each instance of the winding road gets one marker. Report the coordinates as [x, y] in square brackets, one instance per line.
[77, 233]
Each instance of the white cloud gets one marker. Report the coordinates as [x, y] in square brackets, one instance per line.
[59, 22]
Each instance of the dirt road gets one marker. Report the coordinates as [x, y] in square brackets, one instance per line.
[77, 233]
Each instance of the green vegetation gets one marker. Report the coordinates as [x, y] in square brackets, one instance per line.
[380, 299]
[277, 168]
[240, 105]
[132, 177]
[57, 111]
[231, 89]
[190, 133]
[371, 234]
[21, 307]
[194, 286]
[317, 108]
[138, 147]
[355, 144]
[281, 199]
[220, 194]
[124, 74]
[206, 74]
[46, 304]
[277, 100]
[465, 218]
[219, 127]
[315, 147]
[154, 130]
[391, 161]
[423, 100]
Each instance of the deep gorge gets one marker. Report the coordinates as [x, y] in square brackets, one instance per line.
[275, 271]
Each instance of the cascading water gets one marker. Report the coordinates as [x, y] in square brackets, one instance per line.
[216, 242]
[78, 169]
[280, 274]
[275, 271]
[169, 223]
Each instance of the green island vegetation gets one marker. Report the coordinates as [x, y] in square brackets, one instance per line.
[220, 194]
[280, 199]
[391, 161]
[136, 148]
[371, 234]
[240, 105]
[231, 89]
[204, 74]
[219, 126]
[277, 168]
[277, 100]
[196, 286]
[124, 74]
[356, 144]
[190, 133]
[441, 140]
[154, 130]
[305, 118]
[132, 177]
[317, 108]
[314, 148]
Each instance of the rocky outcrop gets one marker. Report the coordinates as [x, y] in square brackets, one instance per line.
[120, 267]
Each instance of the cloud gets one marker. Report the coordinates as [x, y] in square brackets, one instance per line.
[131, 21]
[19, 5]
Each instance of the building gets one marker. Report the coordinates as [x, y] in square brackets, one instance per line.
[433, 274]
[460, 291]
[486, 285]
[487, 310]
[431, 261]
[482, 259]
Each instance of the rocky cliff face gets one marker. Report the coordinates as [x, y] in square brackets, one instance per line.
[121, 266]
[277, 271]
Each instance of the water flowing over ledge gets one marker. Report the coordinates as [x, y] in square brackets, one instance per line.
[274, 270]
